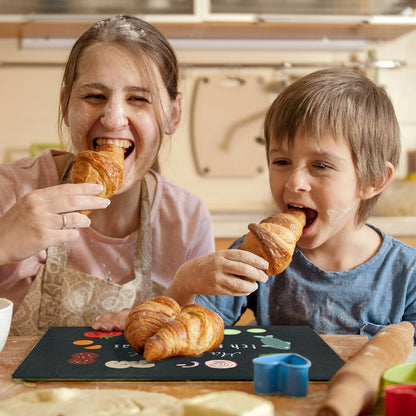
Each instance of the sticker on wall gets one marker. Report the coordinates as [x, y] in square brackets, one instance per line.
[227, 114]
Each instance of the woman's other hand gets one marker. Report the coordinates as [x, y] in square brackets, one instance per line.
[113, 321]
[46, 217]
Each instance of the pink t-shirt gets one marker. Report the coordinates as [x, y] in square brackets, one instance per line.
[181, 230]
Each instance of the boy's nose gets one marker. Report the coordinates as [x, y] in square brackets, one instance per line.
[298, 181]
[114, 117]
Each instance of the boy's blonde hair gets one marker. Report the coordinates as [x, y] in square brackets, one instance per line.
[347, 106]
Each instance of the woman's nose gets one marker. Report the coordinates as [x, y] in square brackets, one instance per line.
[298, 181]
[114, 117]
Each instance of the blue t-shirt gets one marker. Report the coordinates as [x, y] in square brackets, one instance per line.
[363, 300]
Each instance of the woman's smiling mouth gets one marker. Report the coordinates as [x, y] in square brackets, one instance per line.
[127, 145]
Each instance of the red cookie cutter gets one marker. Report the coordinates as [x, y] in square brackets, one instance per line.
[400, 400]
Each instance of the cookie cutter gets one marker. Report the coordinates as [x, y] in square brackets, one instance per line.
[400, 374]
[399, 400]
[399, 387]
[281, 373]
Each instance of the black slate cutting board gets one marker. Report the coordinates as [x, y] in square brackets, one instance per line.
[79, 353]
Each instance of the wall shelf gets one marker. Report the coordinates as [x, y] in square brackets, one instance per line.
[368, 31]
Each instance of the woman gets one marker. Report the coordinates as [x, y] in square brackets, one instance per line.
[63, 268]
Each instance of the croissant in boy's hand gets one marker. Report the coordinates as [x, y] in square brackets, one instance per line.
[104, 166]
[275, 238]
[191, 332]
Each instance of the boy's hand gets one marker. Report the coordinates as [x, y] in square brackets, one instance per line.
[227, 272]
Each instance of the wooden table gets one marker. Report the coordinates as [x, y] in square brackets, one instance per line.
[17, 348]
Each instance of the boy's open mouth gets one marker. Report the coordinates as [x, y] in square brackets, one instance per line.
[127, 145]
[310, 213]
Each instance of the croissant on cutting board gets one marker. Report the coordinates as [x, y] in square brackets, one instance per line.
[194, 331]
[104, 166]
[187, 332]
[275, 238]
[146, 318]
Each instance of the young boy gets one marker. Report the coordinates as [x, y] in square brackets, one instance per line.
[332, 143]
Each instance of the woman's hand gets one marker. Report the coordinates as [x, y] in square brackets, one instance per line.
[113, 321]
[46, 217]
[227, 272]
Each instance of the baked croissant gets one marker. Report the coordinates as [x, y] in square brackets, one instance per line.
[104, 166]
[275, 238]
[194, 331]
[146, 318]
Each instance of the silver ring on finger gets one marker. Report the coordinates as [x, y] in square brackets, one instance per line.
[63, 221]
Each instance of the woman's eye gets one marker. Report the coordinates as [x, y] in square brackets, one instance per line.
[95, 96]
[140, 99]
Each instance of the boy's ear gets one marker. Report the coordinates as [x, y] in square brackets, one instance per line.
[175, 115]
[373, 190]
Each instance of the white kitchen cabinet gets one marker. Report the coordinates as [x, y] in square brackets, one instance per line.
[377, 20]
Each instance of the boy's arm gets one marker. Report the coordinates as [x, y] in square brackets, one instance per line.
[230, 308]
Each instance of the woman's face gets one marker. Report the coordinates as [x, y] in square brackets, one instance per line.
[111, 102]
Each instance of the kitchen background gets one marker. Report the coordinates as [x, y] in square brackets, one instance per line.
[236, 56]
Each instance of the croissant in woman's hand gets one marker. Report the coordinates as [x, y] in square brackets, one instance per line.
[275, 238]
[104, 166]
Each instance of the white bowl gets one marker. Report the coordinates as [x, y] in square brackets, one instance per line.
[6, 312]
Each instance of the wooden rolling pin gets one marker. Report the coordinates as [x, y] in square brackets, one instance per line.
[355, 386]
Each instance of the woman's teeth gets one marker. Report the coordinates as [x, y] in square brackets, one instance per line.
[120, 143]
[124, 144]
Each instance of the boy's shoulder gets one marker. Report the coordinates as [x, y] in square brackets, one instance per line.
[393, 258]
[390, 242]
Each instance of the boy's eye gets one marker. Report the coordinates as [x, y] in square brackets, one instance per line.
[281, 162]
[322, 166]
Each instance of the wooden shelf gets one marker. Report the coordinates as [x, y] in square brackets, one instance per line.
[220, 30]
[286, 31]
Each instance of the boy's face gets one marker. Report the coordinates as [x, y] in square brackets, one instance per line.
[319, 176]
